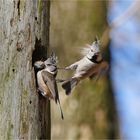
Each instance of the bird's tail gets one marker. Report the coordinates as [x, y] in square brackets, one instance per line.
[62, 116]
[69, 85]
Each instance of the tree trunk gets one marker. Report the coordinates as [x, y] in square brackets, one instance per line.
[24, 37]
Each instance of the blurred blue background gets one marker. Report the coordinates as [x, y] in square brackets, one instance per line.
[124, 20]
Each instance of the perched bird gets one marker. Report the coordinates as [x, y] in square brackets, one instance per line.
[91, 65]
[46, 79]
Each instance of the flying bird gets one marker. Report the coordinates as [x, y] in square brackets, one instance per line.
[91, 65]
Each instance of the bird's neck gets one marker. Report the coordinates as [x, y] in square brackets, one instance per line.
[51, 72]
[96, 59]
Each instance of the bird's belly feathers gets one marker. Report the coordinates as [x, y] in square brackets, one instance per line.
[42, 86]
[84, 66]
[94, 70]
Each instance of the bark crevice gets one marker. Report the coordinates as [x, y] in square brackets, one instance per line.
[24, 113]
[18, 8]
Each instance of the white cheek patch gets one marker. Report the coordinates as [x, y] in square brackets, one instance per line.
[89, 56]
[52, 72]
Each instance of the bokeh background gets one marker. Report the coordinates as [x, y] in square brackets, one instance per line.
[90, 110]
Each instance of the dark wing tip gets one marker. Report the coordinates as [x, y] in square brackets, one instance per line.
[67, 87]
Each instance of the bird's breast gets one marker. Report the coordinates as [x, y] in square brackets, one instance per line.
[87, 69]
[85, 64]
[83, 67]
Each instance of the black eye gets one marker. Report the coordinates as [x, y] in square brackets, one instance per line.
[48, 64]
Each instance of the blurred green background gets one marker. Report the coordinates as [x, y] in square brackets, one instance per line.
[90, 110]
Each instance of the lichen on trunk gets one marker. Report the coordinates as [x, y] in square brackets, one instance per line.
[24, 114]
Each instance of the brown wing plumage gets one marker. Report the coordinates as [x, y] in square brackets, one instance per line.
[49, 79]
[98, 70]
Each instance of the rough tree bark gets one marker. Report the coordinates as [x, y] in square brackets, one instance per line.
[24, 38]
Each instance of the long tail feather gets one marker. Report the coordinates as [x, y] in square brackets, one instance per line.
[62, 116]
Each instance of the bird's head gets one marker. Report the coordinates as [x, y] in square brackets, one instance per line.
[51, 64]
[92, 50]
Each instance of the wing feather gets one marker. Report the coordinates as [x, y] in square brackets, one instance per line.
[49, 79]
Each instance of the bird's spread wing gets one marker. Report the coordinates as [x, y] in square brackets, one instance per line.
[92, 76]
[96, 76]
[99, 70]
[49, 79]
